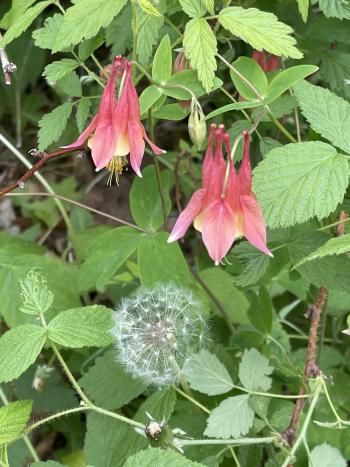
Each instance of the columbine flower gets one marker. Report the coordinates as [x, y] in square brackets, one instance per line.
[156, 332]
[225, 208]
[273, 63]
[117, 129]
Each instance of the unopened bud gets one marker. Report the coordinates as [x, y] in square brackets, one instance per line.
[197, 126]
[159, 434]
[180, 63]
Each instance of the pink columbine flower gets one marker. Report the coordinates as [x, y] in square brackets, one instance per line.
[273, 63]
[225, 208]
[117, 130]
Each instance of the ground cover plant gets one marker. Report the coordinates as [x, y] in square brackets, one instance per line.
[174, 254]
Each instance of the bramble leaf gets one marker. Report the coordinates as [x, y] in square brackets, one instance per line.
[254, 370]
[52, 125]
[13, 420]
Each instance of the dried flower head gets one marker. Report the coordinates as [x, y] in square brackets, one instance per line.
[157, 330]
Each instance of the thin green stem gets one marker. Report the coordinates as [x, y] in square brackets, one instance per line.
[99, 66]
[334, 224]
[281, 127]
[229, 442]
[26, 439]
[121, 418]
[87, 69]
[235, 458]
[268, 394]
[191, 399]
[53, 417]
[340, 421]
[40, 178]
[303, 431]
[134, 27]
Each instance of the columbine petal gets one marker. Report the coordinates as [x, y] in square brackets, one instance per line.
[253, 223]
[85, 134]
[218, 229]
[153, 146]
[137, 147]
[188, 215]
[102, 145]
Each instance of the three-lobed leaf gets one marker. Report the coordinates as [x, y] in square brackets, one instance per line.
[13, 420]
[298, 181]
[36, 296]
[45, 37]
[88, 326]
[254, 371]
[200, 48]
[261, 30]
[19, 348]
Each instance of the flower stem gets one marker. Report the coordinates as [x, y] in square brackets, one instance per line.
[121, 418]
[53, 417]
[229, 442]
[191, 399]
[281, 127]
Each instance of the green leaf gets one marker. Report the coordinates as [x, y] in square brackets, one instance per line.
[160, 261]
[232, 418]
[148, 7]
[303, 6]
[267, 144]
[23, 22]
[327, 113]
[209, 5]
[4, 461]
[205, 373]
[108, 252]
[70, 85]
[189, 79]
[57, 70]
[253, 73]
[299, 181]
[221, 285]
[84, 20]
[162, 61]
[13, 420]
[148, 35]
[148, 97]
[83, 112]
[36, 296]
[236, 106]
[145, 203]
[108, 385]
[19, 348]
[88, 47]
[334, 246]
[286, 79]
[52, 125]
[325, 455]
[82, 327]
[18, 7]
[119, 33]
[335, 8]
[255, 264]
[335, 68]
[193, 8]
[261, 30]
[200, 48]
[330, 271]
[45, 37]
[160, 457]
[47, 464]
[254, 370]
[171, 112]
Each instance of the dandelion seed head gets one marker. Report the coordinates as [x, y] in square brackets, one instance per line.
[157, 330]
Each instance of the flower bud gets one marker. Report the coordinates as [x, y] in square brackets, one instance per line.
[197, 126]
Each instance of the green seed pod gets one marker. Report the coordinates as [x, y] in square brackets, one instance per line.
[197, 126]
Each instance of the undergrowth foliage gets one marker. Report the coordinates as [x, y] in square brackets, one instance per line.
[174, 245]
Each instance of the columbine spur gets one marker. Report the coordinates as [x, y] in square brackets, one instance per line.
[156, 332]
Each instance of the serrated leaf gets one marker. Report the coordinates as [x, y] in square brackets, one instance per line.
[159, 457]
[200, 48]
[335, 68]
[83, 112]
[205, 373]
[255, 264]
[232, 418]
[88, 47]
[149, 8]
[19, 348]
[325, 455]
[13, 420]
[162, 61]
[23, 22]
[193, 8]
[108, 385]
[18, 7]
[335, 8]
[70, 85]
[119, 33]
[254, 370]
[52, 125]
[327, 113]
[45, 37]
[36, 296]
[84, 20]
[261, 30]
[57, 70]
[210, 5]
[299, 181]
[82, 327]
[267, 144]
[4, 461]
[148, 35]
[286, 79]
[303, 6]
[334, 246]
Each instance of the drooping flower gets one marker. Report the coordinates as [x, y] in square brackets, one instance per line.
[157, 331]
[117, 129]
[267, 64]
[225, 208]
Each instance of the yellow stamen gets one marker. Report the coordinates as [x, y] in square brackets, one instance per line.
[116, 166]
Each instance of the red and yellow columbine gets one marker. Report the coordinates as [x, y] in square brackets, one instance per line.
[225, 208]
[117, 129]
